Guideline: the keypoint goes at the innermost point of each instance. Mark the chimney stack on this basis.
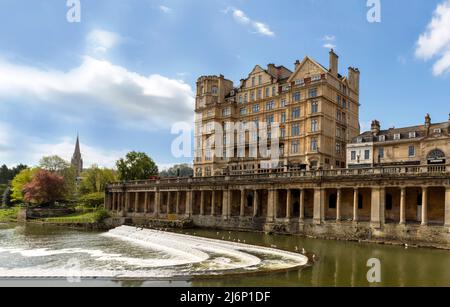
(334, 63)
(376, 127)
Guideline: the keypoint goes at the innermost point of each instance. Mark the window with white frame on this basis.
(411, 151)
(381, 138)
(314, 125)
(296, 113)
(295, 147)
(412, 134)
(295, 130)
(314, 107)
(397, 136)
(314, 145)
(312, 93)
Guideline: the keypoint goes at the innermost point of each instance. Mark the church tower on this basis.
(77, 162)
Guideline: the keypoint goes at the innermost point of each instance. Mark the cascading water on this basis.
(129, 252)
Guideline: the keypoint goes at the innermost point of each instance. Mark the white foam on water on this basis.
(172, 255)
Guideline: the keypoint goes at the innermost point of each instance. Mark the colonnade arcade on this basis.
(378, 204)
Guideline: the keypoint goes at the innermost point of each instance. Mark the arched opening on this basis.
(436, 156)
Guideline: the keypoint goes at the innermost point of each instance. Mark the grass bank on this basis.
(9, 215)
(95, 216)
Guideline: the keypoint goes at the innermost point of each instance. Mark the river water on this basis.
(49, 256)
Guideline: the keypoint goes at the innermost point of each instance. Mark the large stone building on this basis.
(316, 109)
(427, 144)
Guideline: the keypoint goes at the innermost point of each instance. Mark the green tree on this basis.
(54, 164)
(18, 183)
(136, 166)
(95, 179)
(181, 170)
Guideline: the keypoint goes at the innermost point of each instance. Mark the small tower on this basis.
(77, 161)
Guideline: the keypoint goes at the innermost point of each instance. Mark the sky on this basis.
(124, 74)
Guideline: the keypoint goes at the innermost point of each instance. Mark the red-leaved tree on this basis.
(45, 188)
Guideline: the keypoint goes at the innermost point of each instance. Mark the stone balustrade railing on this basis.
(416, 170)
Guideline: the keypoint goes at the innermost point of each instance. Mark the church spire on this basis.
(77, 161)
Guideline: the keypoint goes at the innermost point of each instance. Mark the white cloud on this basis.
(100, 41)
(146, 101)
(257, 26)
(329, 46)
(435, 41)
(329, 41)
(165, 9)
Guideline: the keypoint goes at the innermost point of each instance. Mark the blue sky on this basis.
(124, 74)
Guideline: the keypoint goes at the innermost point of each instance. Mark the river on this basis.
(35, 255)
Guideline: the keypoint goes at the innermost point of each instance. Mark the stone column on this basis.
(271, 205)
(189, 203)
(128, 202)
(319, 206)
(202, 203)
(403, 206)
(136, 202)
(424, 206)
(145, 202)
(355, 204)
(289, 204)
(177, 209)
(447, 207)
(255, 203)
(213, 203)
(157, 203)
(168, 202)
(378, 200)
(242, 203)
(339, 205)
(226, 204)
(302, 205)
(113, 201)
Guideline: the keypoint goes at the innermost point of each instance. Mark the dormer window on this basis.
(382, 138)
(397, 136)
(359, 140)
(316, 78)
(412, 135)
(300, 82)
(437, 131)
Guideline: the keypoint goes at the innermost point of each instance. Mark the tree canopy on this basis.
(136, 166)
(18, 183)
(95, 179)
(181, 170)
(8, 174)
(45, 188)
(54, 164)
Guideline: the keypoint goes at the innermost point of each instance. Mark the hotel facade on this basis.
(316, 111)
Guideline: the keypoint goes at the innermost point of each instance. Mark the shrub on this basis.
(6, 197)
(92, 200)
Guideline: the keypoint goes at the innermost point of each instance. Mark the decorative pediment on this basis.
(306, 69)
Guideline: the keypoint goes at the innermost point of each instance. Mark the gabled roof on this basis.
(302, 63)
